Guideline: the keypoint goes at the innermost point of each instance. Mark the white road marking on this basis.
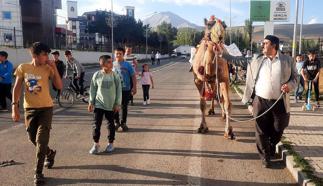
(195, 162)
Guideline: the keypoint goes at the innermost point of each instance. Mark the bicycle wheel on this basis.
(66, 99)
(86, 94)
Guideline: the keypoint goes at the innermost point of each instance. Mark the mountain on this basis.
(169, 17)
(285, 31)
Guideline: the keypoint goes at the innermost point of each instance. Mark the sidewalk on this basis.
(305, 133)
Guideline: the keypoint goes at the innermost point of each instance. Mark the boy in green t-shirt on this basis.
(104, 100)
(38, 103)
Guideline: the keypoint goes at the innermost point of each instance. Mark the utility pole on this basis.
(112, 36)
(295, 28)
(301, 29)
(230, 25)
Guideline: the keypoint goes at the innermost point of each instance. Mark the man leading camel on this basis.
(268, 76)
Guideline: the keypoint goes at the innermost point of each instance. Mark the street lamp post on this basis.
(230, 25)
(147, 27)
(147, 42)
(112, 25)
(295, 28)
(301, 30)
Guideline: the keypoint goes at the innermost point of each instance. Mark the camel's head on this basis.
(214, 29)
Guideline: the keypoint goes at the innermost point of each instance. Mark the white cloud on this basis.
(313, 20)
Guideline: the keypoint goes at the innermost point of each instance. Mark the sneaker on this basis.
(39, 179)
(109, 148)
(295, 100)
(148, 102)
(124, 127)
(266, 163)
(117, 125)
(50, 159)
(94, 149)
(145, 103)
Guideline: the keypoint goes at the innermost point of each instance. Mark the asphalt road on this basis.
(161, 147)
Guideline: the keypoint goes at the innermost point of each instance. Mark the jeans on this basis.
(124, 107)
(300, 86)
(316, 90)
(98, 117)
(79, 83)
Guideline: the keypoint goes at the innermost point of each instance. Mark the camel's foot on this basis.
(203, 130)
(224, 116)
(211, 112)
(229, 134)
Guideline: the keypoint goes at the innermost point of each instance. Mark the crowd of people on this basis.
(270, 76)
(111, 89)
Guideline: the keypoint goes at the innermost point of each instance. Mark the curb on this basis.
(288, 159)
(296, 172)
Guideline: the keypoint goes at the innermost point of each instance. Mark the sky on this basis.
(195, 10)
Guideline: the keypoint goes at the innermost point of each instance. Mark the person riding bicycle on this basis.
(76, 71)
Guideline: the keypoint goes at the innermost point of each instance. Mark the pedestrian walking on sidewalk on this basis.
(158, 58)
(38, 103)
(268, 76)
(6, 69)
(126, 74)
(311, 72)
(105, 100)
(300, 80)
(146, 82)
(152, 57)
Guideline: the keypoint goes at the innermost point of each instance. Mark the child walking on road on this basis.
(34, 77)
(146, 82)
(105, 100)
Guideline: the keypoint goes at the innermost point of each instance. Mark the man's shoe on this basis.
(50, 159)
(148, 101)
(39, 179)
(95, 149)
(266, 163)
(144, 103)
(109, 148)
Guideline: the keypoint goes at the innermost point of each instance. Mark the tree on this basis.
(248, 28)
(166, 34)
(188, 36)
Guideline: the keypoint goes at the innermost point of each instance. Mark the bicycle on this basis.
(70, 94)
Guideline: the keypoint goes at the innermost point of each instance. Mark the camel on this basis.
(211, 75)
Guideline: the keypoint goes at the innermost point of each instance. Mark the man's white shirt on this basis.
(268, 85)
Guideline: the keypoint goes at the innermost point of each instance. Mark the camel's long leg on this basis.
(211, 110)
(227, 105)
(203, 126)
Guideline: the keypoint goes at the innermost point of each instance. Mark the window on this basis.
(72, 9)
(6, 15)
